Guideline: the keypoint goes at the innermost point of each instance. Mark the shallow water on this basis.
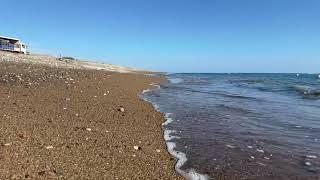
(244, 126)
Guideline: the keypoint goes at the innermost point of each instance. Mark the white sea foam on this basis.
(182, 158)
(145, 91)
(230, 146)
(168, 136)
(155, 85)
(168, 119)
(311, 156)
(175, 80)
(156, 107)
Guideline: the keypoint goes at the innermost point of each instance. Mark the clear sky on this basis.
(173, 35)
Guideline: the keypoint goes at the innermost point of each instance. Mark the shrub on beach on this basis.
(67, 59)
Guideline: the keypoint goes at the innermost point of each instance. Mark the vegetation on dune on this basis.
(67, 59)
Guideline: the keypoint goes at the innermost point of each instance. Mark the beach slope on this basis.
(75, 123)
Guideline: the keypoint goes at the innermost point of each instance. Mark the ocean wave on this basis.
(233, 109)
(248, 81)
(220, 93)
(307, 90)
(175, 80)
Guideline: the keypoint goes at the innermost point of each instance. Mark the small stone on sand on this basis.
(49, 147)
(137, 147)
(8, 144)
(88, 129)
(158, 150)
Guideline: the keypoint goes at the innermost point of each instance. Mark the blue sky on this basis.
(173, 35)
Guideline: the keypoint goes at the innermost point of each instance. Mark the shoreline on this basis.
(180, 157)
(204, 127)
(75, 123)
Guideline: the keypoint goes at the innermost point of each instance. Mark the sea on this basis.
(241, 126)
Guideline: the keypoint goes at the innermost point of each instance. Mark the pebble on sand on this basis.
(121, 109)
(137, 147)
(158, 150)
(88, 129)
(49, 147)
(8, 144)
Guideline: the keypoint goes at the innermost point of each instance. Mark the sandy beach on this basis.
(75, 123)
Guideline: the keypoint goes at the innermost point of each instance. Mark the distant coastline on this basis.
(65, 62)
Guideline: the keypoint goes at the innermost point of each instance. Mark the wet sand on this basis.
(78, 124)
